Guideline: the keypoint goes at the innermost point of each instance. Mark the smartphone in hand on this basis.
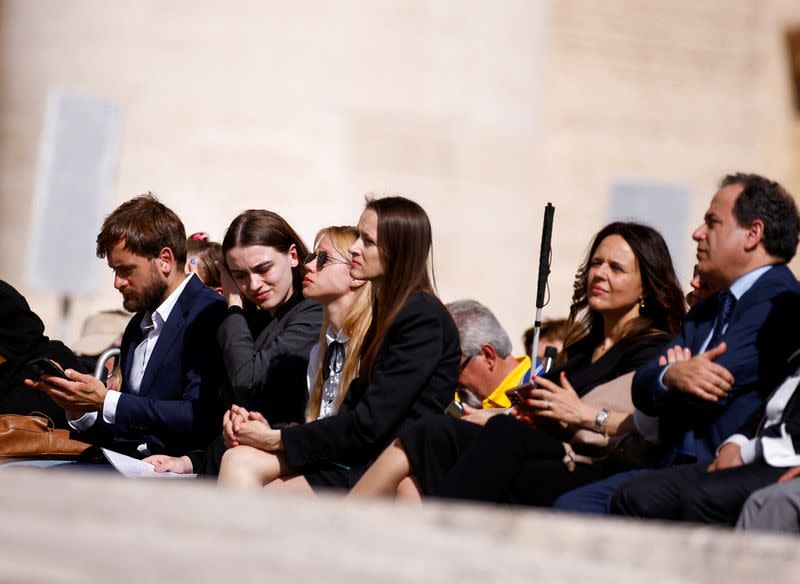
(455, 410)
(44, 366)
(518, 395)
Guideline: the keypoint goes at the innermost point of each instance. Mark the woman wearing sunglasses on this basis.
(407, 369)
(346, 316)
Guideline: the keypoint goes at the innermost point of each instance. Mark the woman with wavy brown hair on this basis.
(626, 305)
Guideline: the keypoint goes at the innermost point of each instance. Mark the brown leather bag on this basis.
(35, 437)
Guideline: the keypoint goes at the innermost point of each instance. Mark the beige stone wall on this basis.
(481, 111)
(680, 92)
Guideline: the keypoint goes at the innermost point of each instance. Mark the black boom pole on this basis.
(544, 272)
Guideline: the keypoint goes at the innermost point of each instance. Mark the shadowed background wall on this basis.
(481, 111)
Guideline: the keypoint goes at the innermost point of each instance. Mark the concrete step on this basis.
(99, 527)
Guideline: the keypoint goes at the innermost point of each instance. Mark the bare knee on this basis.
(409, 490)
(244, 466)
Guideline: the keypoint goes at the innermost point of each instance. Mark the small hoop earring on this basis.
(641, 303)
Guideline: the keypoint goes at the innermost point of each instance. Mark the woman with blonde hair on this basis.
(346, 316)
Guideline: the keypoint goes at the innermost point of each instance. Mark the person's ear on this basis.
(219, 290)
(490, 355)
(754, 235)
(294, 261)
(165, 261)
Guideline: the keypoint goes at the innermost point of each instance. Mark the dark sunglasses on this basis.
(322, 259)
(464, 364)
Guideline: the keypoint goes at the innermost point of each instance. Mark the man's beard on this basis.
(149, 298)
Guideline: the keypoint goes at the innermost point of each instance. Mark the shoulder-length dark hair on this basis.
(405, 242)
(664, 304)
(260, 227)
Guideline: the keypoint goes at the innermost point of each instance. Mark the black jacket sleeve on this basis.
(416, 369)
(260, 370)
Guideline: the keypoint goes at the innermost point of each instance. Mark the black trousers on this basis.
(689, 493)
(206, 462)
(434, 444)
(508, 462)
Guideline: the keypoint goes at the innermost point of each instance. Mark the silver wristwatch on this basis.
(600, 420)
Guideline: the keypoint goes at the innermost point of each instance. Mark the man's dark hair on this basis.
(768, 201)
(147, 226)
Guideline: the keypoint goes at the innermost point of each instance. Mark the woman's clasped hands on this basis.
(241, 427)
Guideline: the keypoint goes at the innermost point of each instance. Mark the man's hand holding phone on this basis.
(77, 393)
(44, 366)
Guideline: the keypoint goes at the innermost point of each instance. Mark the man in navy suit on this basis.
(754, 457)
(171, 363)
(733, 348)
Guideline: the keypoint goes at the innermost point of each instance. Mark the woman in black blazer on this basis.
(262, 280)
(267, 335)
(408, 367)
(627, 305)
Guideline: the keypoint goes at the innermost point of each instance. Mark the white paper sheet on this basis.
(138, 469)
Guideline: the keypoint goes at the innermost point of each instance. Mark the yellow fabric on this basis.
(498, 398)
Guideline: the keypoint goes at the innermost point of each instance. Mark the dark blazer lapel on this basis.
(173, 328)
(704, 322)
(278, 323)
(270, 332)
(768, 285)
(791, 369)
(792, 364)
(130, 341)
(771, 283)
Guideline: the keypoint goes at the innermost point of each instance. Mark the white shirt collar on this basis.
(332, 335)
(744, 283)
(157, 319)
